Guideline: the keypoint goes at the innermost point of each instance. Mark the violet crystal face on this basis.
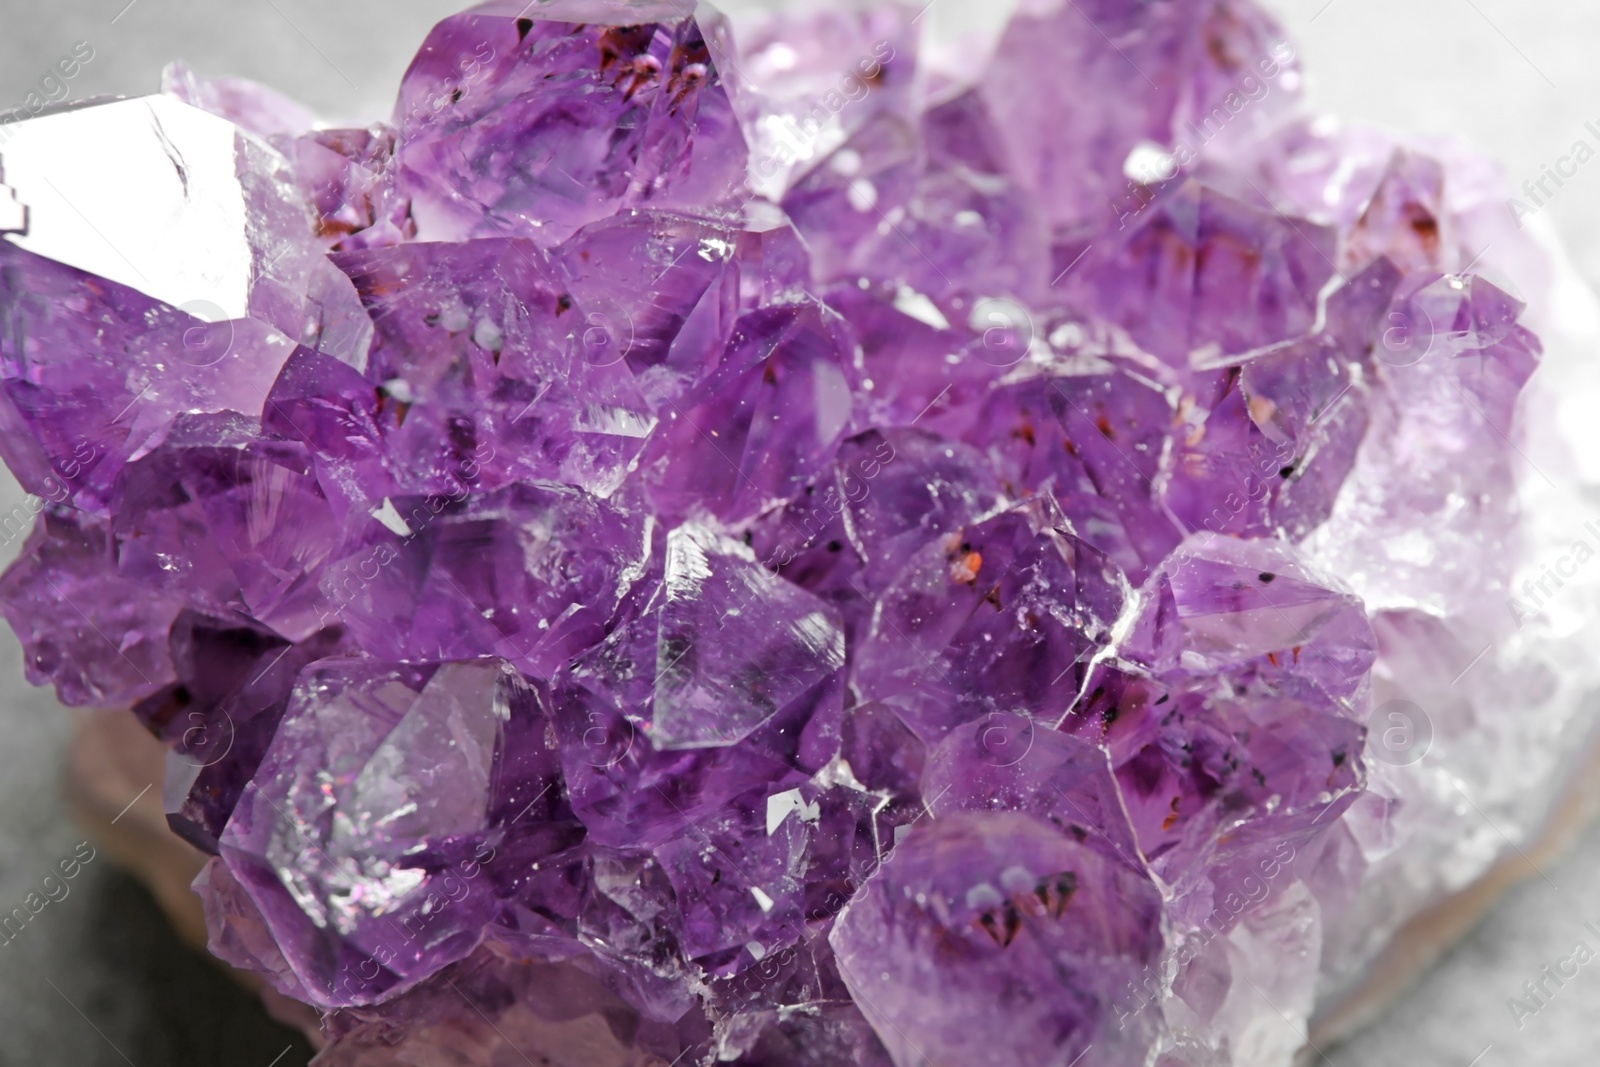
(775, 542)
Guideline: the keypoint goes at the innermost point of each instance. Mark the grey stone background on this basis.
(97, 982)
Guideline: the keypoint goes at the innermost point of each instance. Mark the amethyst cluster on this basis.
(787, 554)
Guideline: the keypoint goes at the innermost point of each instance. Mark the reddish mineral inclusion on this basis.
(605, 612)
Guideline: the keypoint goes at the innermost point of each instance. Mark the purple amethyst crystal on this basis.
(730, 542)
(991, 937)
(378, 783)
(531, 122)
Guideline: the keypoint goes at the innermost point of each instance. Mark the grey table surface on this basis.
(98, 982)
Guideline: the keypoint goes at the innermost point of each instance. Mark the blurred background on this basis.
(98, 979)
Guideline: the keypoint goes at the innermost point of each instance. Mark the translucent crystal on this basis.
(796, 541)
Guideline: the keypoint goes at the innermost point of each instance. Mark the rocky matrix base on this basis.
(793, 542)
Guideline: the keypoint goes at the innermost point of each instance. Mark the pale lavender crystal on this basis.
(735, 646)
(371, 763)
(777, 542)
(1201, 276)
(849, 533)
(1096, 441)
(996, 938)
(348, 179)
(728, 679)
(487, 575)
(80, 351)
(941, 211)
(1252, 720)
(249, 106)
(1164, 74)
(68, 558)
(531, 122)
(926, 371)
(485, 342)
(1002, 615)
(807, 79)
(638, 278)
(762, 423)
(1009, 762)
